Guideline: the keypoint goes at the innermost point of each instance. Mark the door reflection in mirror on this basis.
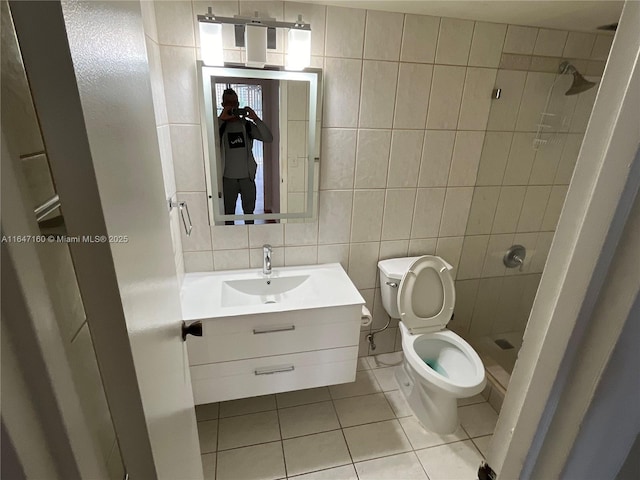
(269, 122)
(245, 114)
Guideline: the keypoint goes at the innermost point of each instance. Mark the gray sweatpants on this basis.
(246, 187)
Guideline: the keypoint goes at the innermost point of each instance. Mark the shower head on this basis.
(580, 84)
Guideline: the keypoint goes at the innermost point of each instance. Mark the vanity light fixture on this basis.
(257, 35)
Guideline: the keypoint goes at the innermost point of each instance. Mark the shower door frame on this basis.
(527, 443)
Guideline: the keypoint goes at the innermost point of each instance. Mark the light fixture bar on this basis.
(253, 21)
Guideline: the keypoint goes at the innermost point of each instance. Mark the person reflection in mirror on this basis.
(238, 129)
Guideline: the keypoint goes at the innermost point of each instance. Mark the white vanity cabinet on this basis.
(275, 348)
(253, 355)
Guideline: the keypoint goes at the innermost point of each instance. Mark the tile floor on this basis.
(357, 431)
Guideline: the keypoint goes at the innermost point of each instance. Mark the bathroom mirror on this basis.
(285, 168)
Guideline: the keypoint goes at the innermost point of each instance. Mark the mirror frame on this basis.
(209, 123)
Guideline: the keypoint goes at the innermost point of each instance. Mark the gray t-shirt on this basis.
(236, 142)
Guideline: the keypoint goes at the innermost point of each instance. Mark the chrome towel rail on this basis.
(46, 208)
(183, 208)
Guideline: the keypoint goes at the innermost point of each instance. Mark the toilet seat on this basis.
(426, 305)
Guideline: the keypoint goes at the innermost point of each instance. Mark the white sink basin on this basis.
(242, 292)
(250, 291)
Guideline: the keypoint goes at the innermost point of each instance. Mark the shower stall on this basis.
(539, 113)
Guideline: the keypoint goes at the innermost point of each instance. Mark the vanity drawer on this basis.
(261, 376)
(250, 336)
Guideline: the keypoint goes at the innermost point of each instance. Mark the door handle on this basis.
(194, 329)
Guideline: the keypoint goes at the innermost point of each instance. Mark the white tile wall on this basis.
(454, 41)
(419, 38)
(345, 32)
(383, 34)
(486, 46)
(416, 157)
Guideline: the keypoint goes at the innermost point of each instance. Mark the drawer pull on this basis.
(272, 370)
(257, 331)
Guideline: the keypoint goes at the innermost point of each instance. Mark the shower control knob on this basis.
(194, 329)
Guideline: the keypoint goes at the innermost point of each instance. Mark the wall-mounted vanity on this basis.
(296, 328)
(286, 177)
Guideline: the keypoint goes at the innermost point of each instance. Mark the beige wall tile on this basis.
(166, 159)
(412, 100)
(476, 98)
(372, 158)
(363, 264)
(174, 20)
(486, 46)
(446, 95)
(180, 85)
(493, 161)
(398, 212)
(366, 223)
(428, 212)
(335, 216)
(338, 158)
(579, 45)
(157, 82)
(300, 234)
(345, 32)
(533, 100)
(550, 43)
(568, 159)
(533, 208)
(511, 61)
(520, 40)
(379, 80)
(504, 111)
(450, 249)
(601, 47)
(230, 237)
(383, 35)
(545, 163)
(486, 305)
(541, 252)
(188, 158)
(454, 41)
(419, 38)
(474, 249)
(198, 261)
(307, 255)
(422, 246)
(271, 234)
(466, 158)
(466, 294)
(508, 209)
(404, 160)
(520, 160)
(393, 249)
(455, 212)
(437, 152)
(342, 79)
(554, 207)
(483, 210)
(334, 254)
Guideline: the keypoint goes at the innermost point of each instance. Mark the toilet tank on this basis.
(391, 272)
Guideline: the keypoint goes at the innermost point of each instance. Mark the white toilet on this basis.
(439, 366)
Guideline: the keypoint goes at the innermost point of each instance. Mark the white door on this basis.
(87, 66)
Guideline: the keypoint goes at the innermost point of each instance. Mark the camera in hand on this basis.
(239, 112)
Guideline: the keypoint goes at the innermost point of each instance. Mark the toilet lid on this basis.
(426, 295)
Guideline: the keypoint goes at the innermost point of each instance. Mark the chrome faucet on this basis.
(266, 259)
